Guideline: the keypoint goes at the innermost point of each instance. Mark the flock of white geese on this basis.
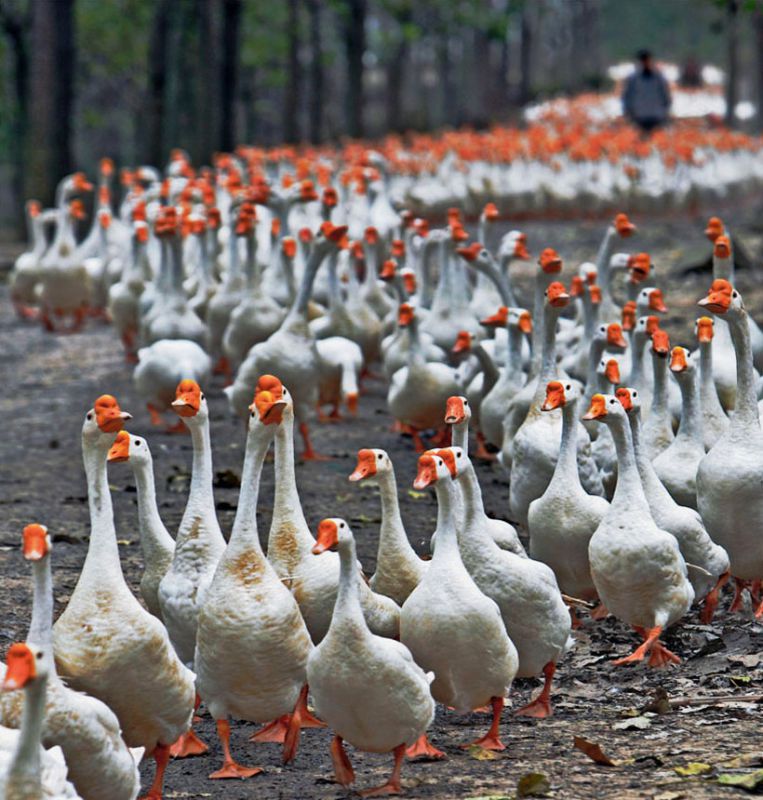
(638, 493)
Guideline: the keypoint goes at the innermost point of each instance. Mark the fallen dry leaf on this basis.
(693, 768)
(533, 784)
(752, 781)
(593, 751)
(480, 754)
(634, 723)
(416, 495)
(746, 760)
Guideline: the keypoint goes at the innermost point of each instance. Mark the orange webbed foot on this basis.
(230, 769)
(540, 708)
(424, 750)
(274, 731)
(660, 656)
(188, 745)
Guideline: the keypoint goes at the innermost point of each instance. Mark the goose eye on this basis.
(466, 402)
(568, 387)
(734, 294)
(137, 442)
(611, 402)
(379, 456)
(252, 414)
(458, 454)
(202, 396)
(39, 656)
(90, 415)
(341, 524)
(439, 463)
(635, 394)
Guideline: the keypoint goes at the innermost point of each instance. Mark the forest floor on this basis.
(668, 734)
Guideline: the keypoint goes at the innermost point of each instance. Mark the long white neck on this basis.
(245, 534)
(234, 259)
(415, 354)
(25, 768)
(548, 354)
(595, 352)
(690, 426)
(447, 541)
(103, 552)
(252, 264)
(41, 626)
(566, 470)
(638, 341)
(201, 500)
(154, 536)
(629, 490)
(474, 508)
(299, 306)
(746, 408)
(392, 530)
(288, 519)
(347, 609)
(654, 489)
(177, 273)
(459, 435)
(514, 349)
(660, 394)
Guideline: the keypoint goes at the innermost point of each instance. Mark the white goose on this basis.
(367, 688)
(399, 569)
(637, 568)
(25, 274)
(157, 546)
(562, 520)
(251, 643)
(450, 626)
(27, 772)
(714, 420)
(99, 762)
(313, 581)
(677, 465)
(707, 562)
(728, 478)
(106, 643)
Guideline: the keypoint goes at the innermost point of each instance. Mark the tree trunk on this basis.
(207, 117)
(316, 100)
(229, 72)
(14, 29)
(48, 153)
(158, 47)
(525, 57)
(355, 47)
(293, 82)
(732, 63)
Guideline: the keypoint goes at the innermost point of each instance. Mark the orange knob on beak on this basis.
(718, 299)
(328, 536)
(598, 408)
(554, 396)
(705, 329)
(109, 415)
(455, 410)
(366, 466)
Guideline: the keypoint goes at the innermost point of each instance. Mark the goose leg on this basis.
(711, 601)
(392, 786)
(306, 718)
(161, 756)
(300, 718)
(738, 601)
(659, 655)
(540, 708)
(308, 454)
(189, 743)
(230, 769)
(343, 771)
(492, 739)
(422, 748)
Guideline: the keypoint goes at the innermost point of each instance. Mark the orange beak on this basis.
(398, 248)
(722, 247)
(640, 265)
(660, 342)
(372, 235)
(455, 411)
(718, 299)
(598, 408)
(77, 209)
(612, 371)
(20, 667)
(594, 293)
(405, 315)
(409, 281)
(289, 247)
(629, 315)
(714, 228)
(334, 232)
(457, 233)
(624, 226)
(366, 466)
(469, 253)
(120, 450)
(557, 295)
(389, 267)
(36, 544)
(554, 396)
(463, 342)
(500, 318)
(81, 183)
(624, 396)
(330, 197)
(656, 302)
(269, 407)
(490, 212)
(615, 336)
(109, 415)
(549, 261)
(328, 536)
(187, 400)
(526, 322)
(307, 191)
(352, 402)
(705, 329)
(678, 359)
(577, 286)
(427, 472)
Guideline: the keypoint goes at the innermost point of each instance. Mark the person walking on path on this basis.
(646, 95)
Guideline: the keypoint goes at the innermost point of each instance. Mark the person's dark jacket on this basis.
(646, 97)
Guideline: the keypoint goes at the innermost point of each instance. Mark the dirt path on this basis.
(46, 385)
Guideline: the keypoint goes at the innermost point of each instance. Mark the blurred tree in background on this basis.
(130, 79)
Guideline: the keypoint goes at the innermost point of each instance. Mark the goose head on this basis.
(680, 365)
(328, 237)
(128, 447)
(609, 370)
(559, 393)
(629, 399)
(104, 420)
(25, 663)
(431, 468)
(605, 408)
(463, 343)
(190, 403)
(714, 229)
(550, 262)
(588, 272)
(521, 319)
(36, 542)
(628, 317)
(722, 299)
(405, 315)
(514, 246)
(270, 400)
(372, 462)
(639, 267)
(332, 533)
(612, 337)
(660, 343)
(645, 327)
(622, 226)
(650, 301)
(704, 330)
(497, 320)
(557, 296)
(388, 270)
(457, 410)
